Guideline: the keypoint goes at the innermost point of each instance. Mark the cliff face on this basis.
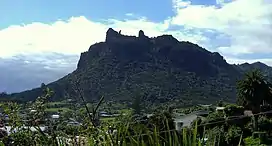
(159, 69)
(164, 48)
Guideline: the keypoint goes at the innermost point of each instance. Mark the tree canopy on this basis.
(253, 91)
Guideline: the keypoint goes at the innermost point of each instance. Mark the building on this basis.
(55, 116)
(178, 125)
(73, 122)
(32, 111)
(248, 113)
(220, 109)
(186, 120)
(105, 114)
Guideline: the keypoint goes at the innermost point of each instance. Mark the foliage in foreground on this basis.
(130, 130)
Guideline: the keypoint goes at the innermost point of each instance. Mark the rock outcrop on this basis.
(161, 68)
(112, 35)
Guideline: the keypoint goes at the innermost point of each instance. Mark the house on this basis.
(220, 109)
(10, 130)
(248, 113)
(178, 125)
(202, 113)
(185, 120)
(149, 115)
(105, 114)
(55, 116)
(205, 105)
(32, 111)
(73, 122)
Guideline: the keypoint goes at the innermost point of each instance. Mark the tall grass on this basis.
(146, 137)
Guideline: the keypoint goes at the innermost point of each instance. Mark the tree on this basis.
(268, 98)
(3, 94)
(253, 91)
(220, 103)
(232, 136)
(136, 105)
(43, 85)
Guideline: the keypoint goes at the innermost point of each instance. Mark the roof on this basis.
(105, 115)
(220, 108)
(103, 112)
(248, 113)
(55, 116)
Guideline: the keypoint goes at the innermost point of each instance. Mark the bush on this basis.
(233, 135)
(265, 124)
(214, 118)
(234, 110)
(250, 141)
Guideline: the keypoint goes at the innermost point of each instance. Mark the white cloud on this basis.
(177, 4)
(187, 35)
(74, 35)
(234, 50)
(247, 22)
(222, 2)
(129, 14)
(69, 37)
(132, 27)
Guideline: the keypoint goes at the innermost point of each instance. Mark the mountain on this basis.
(266, 70)
(159, 69)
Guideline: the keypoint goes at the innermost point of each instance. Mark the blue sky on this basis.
(51, 10)
(49, 35)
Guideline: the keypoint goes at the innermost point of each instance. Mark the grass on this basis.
(59, 103)
(56, 103)
(125, 111)
(144, 137)
(150, 137)
(107, 119)
(62, 109)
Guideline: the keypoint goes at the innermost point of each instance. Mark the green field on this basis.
(62, 109)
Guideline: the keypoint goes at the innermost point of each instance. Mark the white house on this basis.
(32, 111)
(55, 116)
(220, 108)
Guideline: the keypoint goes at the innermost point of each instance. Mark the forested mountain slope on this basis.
(157, 69)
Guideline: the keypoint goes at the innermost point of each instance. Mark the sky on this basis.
(41, 41)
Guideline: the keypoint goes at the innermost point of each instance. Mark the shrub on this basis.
(233, 135)
(250, 141)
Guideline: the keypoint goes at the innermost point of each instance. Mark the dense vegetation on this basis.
(163, 69)
(249, 122)
(230, 126)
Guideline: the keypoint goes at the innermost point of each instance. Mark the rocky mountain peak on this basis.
(122, 65)
(112, 34)
(141, 34)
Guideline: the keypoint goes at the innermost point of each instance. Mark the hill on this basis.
(159, 69)
(267, 70)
